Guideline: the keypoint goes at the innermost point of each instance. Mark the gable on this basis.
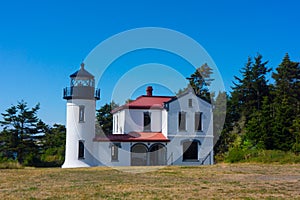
(189, 101)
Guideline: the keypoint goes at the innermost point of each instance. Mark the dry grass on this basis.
(222, 181)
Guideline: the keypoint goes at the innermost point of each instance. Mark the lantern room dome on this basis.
(82, 73)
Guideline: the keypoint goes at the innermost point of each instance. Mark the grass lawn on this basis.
(221, 181)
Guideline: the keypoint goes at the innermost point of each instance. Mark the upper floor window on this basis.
(147, 121)
(182, 121)
(81, 113)
(190, 103)
(114, 123)
(198, 121)
(117, 124)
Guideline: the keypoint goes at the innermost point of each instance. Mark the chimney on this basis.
(149, 90)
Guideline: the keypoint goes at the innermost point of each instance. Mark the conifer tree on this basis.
(286, 102)
(249, 90)
(21, 133)
(259, 127)
(200, 81)
(105, 118)
(53, 145)
(287, 83)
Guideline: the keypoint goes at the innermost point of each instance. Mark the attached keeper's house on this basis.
(151, 130)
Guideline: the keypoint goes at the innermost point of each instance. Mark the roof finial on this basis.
(82, 65)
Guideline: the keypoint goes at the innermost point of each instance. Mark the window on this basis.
(147, 121)
(114, 123)
(115, 152)
(182, 121)
(117, 124)
(190, 151)
(81, 113)
(190, 103)
(81, 149)
(198, 121)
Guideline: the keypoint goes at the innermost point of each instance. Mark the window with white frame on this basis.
(81, 149)
(190, 103)
(190, 151)
(198, 121)
(182, 121)
(147, 121)
(115, 152)
(81, 113)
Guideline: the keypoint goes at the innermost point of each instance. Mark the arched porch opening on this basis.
(139, 155)
(158, 154)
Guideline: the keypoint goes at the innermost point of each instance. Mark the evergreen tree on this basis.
(105, 117)
(250, 90)
(287, 83)
(21, 133)
(7, 145)
(219, 113)
(295, 130)
(242, 89)
(200, 81)
(259, 127)
(286, 102)
(283, 139)
(181, 91)
(53, 149)
(244, 117)
(227, 137)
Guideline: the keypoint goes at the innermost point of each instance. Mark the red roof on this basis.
(133, 137)
(146, 102)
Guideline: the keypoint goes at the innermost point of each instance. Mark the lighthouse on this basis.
(81, 99)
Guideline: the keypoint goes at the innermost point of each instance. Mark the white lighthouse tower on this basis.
(81, 99)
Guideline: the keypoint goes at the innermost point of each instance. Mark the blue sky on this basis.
(43, 42)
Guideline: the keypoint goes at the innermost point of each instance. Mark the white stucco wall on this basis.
(175, 149)
(77, 131)
(133, 120)
(102, 152)
(198, 105)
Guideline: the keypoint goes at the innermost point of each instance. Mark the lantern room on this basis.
(82, 86)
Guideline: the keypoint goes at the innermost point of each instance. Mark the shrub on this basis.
(234, 154)
(261, 156)
(10, 165)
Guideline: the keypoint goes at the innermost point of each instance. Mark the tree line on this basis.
(26, 139)
(262, 113)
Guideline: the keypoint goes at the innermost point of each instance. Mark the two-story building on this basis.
(161, 130)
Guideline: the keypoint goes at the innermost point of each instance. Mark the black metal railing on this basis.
(81, 92)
